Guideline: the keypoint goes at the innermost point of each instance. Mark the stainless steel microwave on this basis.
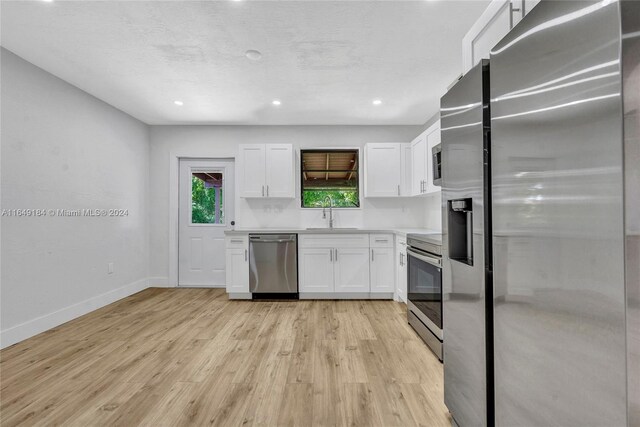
(436, 153)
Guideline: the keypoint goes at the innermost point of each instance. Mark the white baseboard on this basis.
(40, 324)
(160, 282)
(198, 285)
(346, 295)
(240, 295)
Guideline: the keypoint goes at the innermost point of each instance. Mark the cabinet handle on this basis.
(401, 260)
(236, 240)
(330, 255)
(336, 255)
(263, 191)
(398, 189)
(245, 255)
(372, 255)
(267, 190)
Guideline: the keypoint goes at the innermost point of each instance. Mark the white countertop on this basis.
(337, 230)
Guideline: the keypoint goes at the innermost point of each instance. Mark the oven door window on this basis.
(425, 288)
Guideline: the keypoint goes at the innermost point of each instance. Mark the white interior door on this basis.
(206, 208)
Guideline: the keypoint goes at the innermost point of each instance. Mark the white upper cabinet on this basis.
(418, 164)
(494, 23)
(266, 170)
(251, 170)
(422, 161)
(405, 170)
(386, 169)
(280, 180)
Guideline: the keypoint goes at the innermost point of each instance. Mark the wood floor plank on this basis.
(171, 357)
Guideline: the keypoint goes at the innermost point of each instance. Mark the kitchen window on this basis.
(330, 176)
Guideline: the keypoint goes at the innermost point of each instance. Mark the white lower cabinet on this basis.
(329, 266)
(382, 271)
(237, 265)
(346, 266)
(315, 269)
(351, 270)
(401, 264)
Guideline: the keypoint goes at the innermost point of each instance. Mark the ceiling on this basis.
(326, 61)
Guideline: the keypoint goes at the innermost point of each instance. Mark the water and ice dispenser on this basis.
(460, 224)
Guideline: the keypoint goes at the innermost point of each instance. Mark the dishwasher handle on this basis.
(273, 239)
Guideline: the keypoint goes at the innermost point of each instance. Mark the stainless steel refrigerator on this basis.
(559, 234)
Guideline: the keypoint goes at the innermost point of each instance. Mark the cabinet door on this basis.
(401, 277)
(494, 23)
(237, 265)
(418, 165)
(405, 169)
(280, 180)
(316, 269)
(251, 172)
(382, 270)
(351, 269)
(383, 170)
(433, 139)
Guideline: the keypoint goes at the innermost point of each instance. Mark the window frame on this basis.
(223, 171)
(358, 151)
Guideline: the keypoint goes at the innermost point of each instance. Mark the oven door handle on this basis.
(431, 260)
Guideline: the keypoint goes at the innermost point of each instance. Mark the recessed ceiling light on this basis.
(253, 55)
(178, 103)
(377, 102)
(48, 1)
(276, 102)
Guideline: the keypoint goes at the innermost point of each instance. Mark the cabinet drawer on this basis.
(241, 241)
(333, 240)
(381, 240)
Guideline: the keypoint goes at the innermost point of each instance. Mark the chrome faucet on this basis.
(324, 210)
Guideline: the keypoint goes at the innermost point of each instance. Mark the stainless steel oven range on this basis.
(424, 293)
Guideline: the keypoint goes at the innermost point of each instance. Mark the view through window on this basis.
(207, 198)
(330, 176)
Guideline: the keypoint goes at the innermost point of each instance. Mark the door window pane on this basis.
(207, 198)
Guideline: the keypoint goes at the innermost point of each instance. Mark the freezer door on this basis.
(556, 124)
(463, 223)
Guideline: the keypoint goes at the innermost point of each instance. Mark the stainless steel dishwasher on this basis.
(273, 265)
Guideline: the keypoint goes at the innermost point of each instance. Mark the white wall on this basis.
(167, 142)
(64, 149)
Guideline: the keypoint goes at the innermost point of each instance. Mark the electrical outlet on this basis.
(110, 268)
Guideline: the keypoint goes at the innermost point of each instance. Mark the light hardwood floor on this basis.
(191, 357)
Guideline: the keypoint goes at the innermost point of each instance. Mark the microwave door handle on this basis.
(431, 260)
